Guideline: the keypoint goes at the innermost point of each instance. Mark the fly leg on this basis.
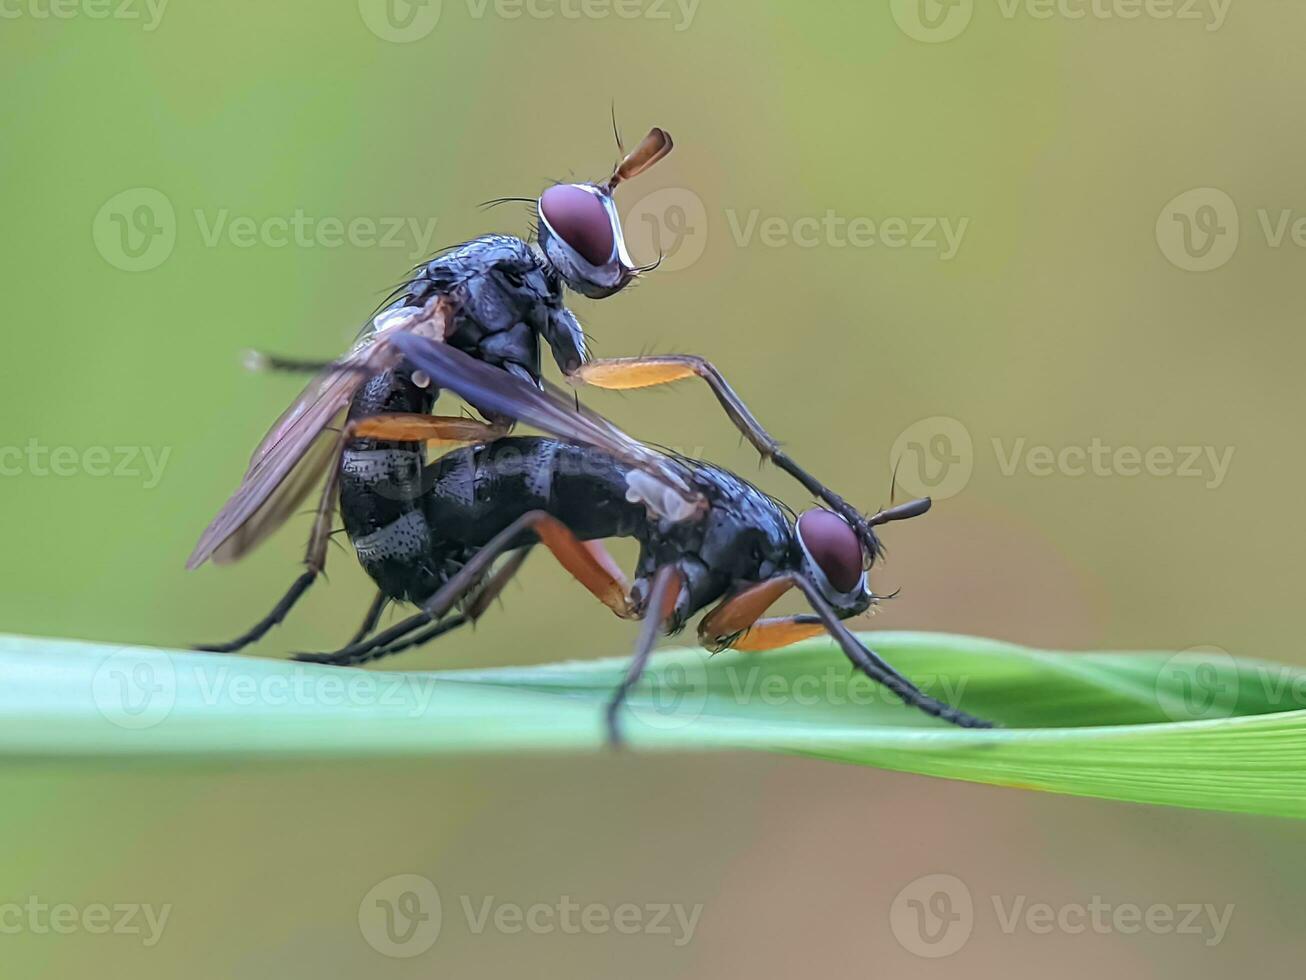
(736, 623)
(373, 617)
(739, 614)
(437, 431)
(487, 594)
(583, 560)
(870, 664)
(620, 373)
(257, 360)
(667, 583)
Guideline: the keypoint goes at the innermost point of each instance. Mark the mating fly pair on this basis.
(360, 428)
(706, 537)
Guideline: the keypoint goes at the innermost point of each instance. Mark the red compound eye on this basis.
(579, 219)
(834, 547)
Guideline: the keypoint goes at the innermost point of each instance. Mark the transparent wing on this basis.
(299, 448)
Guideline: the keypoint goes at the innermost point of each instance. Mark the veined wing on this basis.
(497, 392)
(300, 447)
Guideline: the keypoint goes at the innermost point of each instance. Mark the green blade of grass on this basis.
(1197, 730)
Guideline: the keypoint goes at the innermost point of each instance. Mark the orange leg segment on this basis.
(589, 563)
(739, 612)
(440, 429)
(772, 634)
(625, 373)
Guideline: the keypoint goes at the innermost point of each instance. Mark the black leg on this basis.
(666, 579)
(487, 594)
(434, 631)
(570, 552)
(277, 614)
(373, 617)
(870, 540)
(257, 360)
(447, 596)
(343, 658)
(877, 670)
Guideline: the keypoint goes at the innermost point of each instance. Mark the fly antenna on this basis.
(652, 148)
(896, 511)
(616, 132)
(901, 512)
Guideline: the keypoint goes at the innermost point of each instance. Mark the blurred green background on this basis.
(152, 160)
